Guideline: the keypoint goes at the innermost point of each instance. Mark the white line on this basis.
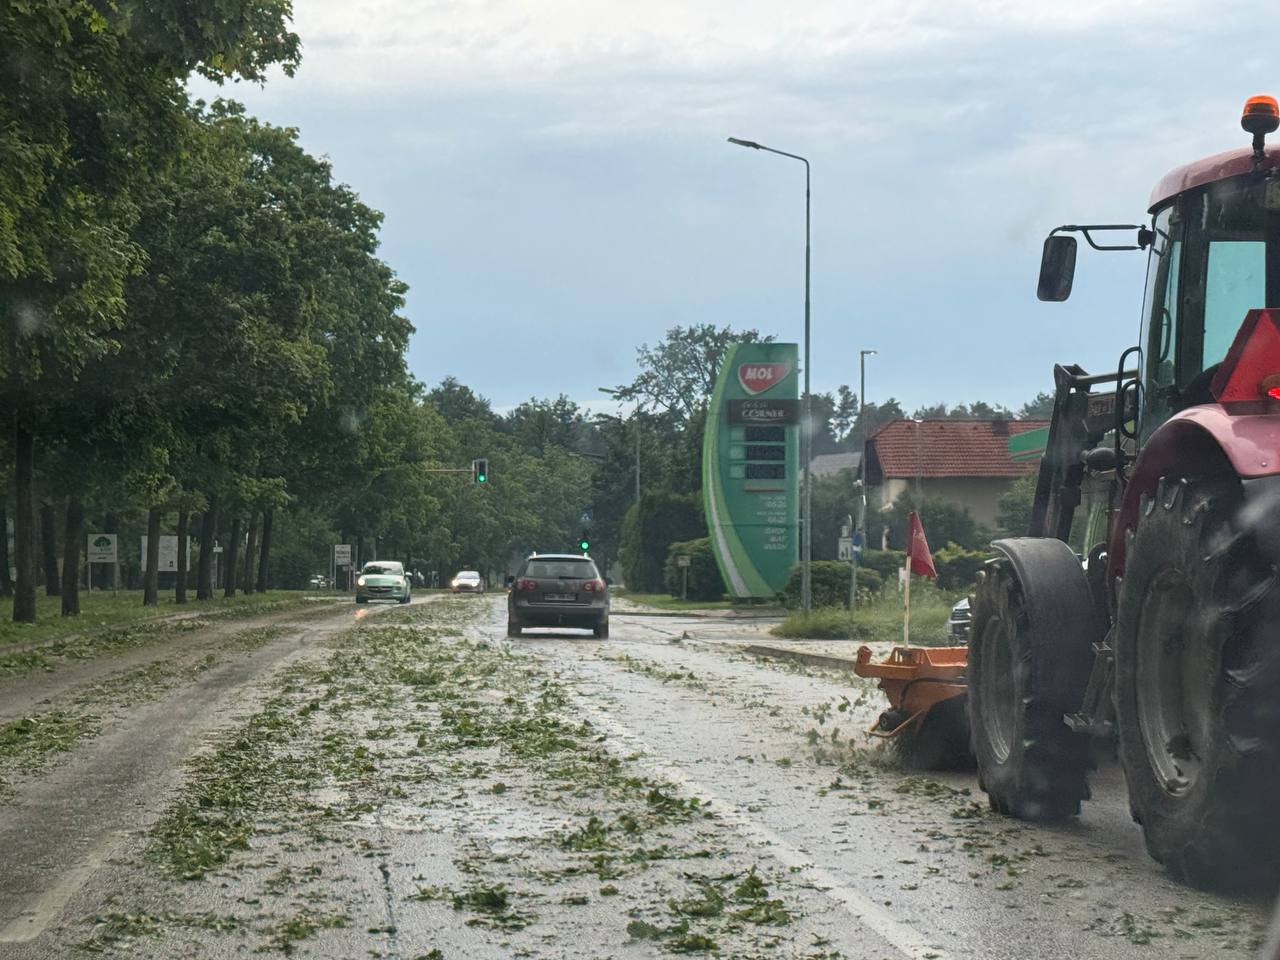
(31, 923)
(905, 938)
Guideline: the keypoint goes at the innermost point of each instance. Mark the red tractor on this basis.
(1164, 630)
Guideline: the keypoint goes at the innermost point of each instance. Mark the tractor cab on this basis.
(1213, 254)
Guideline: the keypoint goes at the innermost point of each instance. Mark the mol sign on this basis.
(750, 467)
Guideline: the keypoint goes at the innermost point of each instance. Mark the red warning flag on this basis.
(918, 555)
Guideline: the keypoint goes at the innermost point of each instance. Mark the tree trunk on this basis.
(230, 556)
(250, 555)
(73, 536)
(208, 533)
(180, 584)
(49, 549)
(151, 578)
(6, 584)
(24, 524)
(357, 562)
(265, 553)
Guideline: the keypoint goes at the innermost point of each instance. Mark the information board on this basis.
(750, 467)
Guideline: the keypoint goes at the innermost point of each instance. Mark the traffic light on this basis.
(480, 471)
(584, 543)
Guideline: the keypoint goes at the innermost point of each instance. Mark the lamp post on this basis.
(862, 424)
(862, 457)
(806, 428)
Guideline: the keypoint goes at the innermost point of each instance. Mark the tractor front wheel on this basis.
(1198, 682)
(1034, 624)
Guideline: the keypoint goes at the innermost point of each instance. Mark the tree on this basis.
(1014, 508)
(1038, 408)
(846, 412)
(943, 522)
(678, 375)
(93, 93)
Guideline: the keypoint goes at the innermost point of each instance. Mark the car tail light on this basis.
(591, 586)
(524, 583)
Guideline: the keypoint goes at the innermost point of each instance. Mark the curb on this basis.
(799, 656)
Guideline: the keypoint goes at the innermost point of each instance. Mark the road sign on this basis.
(168, 561)
(751, 467)
(682, 560)
(845, 547)
(102, 548)
(342, 554)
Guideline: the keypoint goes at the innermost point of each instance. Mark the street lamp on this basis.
(806, 428)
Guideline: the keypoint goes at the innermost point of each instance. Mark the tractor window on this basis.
(1235, 283)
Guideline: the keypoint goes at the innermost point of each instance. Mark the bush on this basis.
(649, 528)
(705, 582)
(887, 563)
(957, 567)
(830, 584)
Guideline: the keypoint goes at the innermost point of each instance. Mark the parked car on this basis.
(960, 624)
(383, 580)
(467, 581)
(558, 590)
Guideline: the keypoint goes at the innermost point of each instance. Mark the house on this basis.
(965, 462)
(829, 464)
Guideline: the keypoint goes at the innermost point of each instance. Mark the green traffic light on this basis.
(584, 546)
(481, 478)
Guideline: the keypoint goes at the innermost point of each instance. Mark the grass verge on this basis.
(664, 601)
(100, 610)
(881, 621)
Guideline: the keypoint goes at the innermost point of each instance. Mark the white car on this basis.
(467, 581)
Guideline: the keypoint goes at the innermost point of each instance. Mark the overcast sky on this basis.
(558, 189)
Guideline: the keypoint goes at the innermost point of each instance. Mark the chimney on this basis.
(1000, 428)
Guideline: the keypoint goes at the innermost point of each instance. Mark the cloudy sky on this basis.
(558, 189)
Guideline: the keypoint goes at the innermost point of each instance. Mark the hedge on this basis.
(705, 582)
(649, 529)
(830, 584)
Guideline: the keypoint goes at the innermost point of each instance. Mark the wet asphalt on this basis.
(873, 861)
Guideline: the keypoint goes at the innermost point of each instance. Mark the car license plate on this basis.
(559, 596)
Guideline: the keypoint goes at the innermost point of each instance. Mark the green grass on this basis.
(99, 610)
(881, 620)
(663, 601)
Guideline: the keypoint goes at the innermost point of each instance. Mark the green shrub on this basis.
(957, 567)
(887, 563)
(649, 528)
(705, 582)
(830, 584)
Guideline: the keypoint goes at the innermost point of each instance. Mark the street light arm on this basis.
(760, 146)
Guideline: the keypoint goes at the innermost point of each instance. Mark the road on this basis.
(407, 783)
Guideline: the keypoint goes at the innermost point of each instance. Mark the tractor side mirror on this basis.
(1057, 268)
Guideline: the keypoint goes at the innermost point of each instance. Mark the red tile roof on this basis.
(948, 448)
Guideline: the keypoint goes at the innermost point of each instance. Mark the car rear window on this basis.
(558, 569)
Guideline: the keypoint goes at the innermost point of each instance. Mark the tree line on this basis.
(200, 339)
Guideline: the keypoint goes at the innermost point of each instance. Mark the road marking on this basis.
(31, 923)
(905, 938)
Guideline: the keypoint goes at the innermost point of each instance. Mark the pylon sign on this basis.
(751, 467)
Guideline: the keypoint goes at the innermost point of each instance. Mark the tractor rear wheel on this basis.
(1034, 624)
(1198, 682)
